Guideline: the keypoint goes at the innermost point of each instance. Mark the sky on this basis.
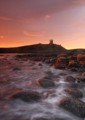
(25, 22)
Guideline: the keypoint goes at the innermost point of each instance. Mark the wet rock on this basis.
(80, 79)
(72, 58)
(80, 57)
(69, 79)
(49, 74)
(16, 69)
(42, 118)
(59, 66)
(20, 118)
(73, 64)
(40, 64)
(73, 85)
(75, 93)
(74, 69)
(74, 106)
(83, 74)
(49, 93)
(29, 96)
(62, 119)
(5, 81)
(61, 62)
(46, 82)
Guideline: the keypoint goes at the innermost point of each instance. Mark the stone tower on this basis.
(51, 42)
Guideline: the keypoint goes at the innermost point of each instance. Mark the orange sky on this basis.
(25, 22)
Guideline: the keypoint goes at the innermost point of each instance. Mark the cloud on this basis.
(35, 9)
(80, 2)
(47, 17)
(32, 33)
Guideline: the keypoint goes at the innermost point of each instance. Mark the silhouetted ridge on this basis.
(36, 48)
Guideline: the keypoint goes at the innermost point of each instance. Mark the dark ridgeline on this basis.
(42, 49)
(50, 48)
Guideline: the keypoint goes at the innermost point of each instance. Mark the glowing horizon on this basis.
(26, 22)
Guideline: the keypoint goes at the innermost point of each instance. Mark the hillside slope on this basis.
(36, 48)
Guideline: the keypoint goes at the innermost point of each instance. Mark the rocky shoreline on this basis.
(32, 89)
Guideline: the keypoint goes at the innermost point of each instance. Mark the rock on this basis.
(74, 106)
(82, 63)
(80, 57)
(43, 118)
(22, 57)
(46, 82)
(75, 93)
(73, 85)
(74, 69)
(29, 96)
(62, 60)
(69, 79)
(61, 63)
(80, 79)
(81, 69)
(40, 64)
(5, 81)
(83, 74)
(62, 55)
(16, 69)
(59, 66)
(19, 117)
(72, 58)
(73, 64)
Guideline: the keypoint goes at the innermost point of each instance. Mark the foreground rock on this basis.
(80, 57)
(73, 64)
(83, 74)
(41, 118)
(80, 79)
(61, 63)
(46, 82)
(75, 93)
(74, 106)
(69, 79)
(29, 96)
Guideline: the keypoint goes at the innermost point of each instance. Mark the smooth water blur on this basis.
(19, 75)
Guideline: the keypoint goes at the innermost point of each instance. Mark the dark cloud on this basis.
(33, 9)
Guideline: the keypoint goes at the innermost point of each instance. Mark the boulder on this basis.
(74, 69)
(46, 82)
(72, 58)
(28, 96)
(74, 106)
(73, 64)
(83, 74)
(80, 79)
(80, 57)
(62, 60)
(61, 63)
(43, 118)
(5, 81)
(69, 79)
(75, 93)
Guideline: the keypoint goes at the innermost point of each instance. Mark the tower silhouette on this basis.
(51, 42)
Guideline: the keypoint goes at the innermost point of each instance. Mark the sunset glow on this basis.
(25, 22)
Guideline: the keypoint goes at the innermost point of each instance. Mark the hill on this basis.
(36, 48)
(76, 51)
